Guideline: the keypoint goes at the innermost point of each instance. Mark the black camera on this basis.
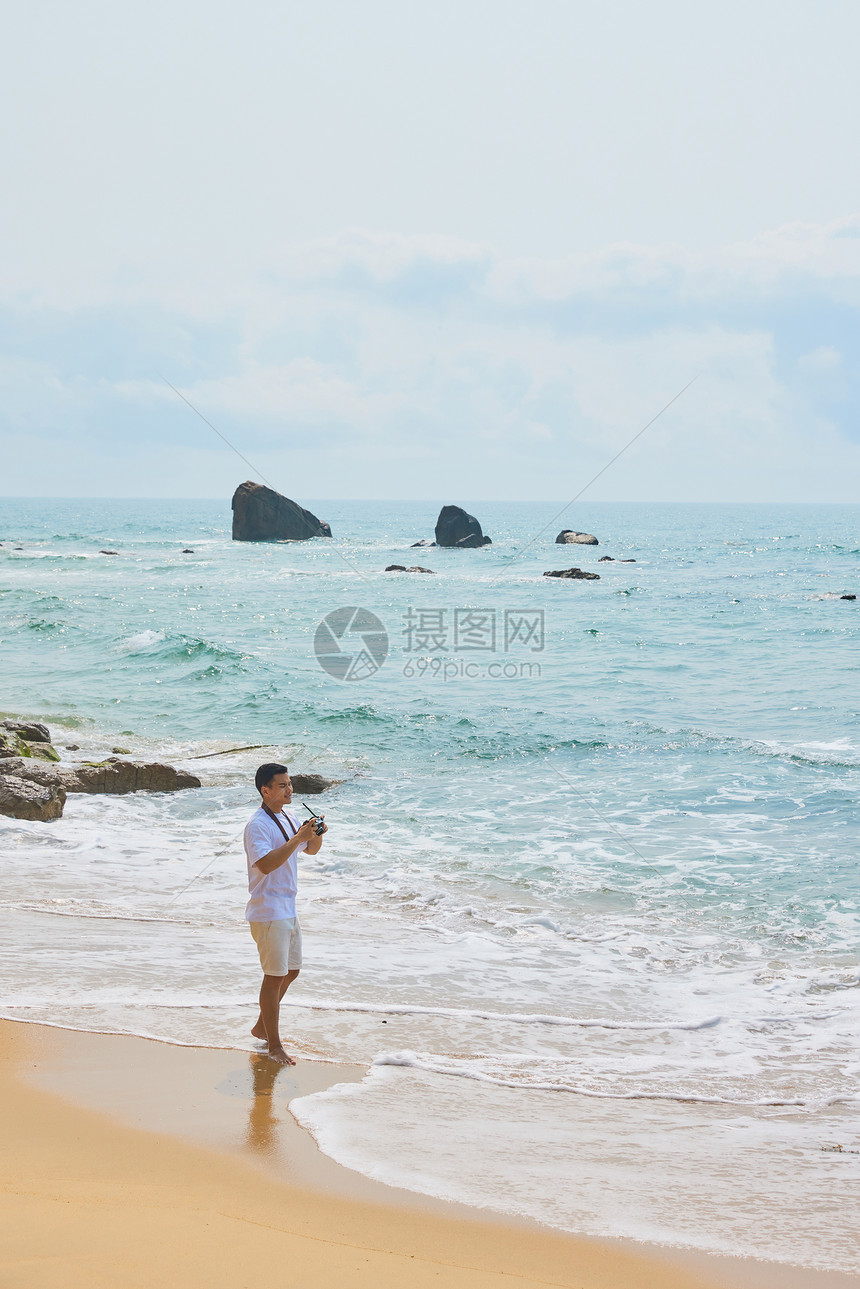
(317, 819)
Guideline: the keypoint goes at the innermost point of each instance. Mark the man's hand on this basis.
(308, 830)
(307, 833)
(312, 847)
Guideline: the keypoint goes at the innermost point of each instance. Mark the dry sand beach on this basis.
(193, 1173)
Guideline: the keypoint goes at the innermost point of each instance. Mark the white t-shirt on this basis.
(273, 895)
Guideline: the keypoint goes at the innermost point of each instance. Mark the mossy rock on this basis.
(41, 751)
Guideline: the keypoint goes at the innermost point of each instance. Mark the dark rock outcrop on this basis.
(456, 527)
(570, 537)
(848, 597)
(401, 568)
(25, 799)
(33, 771)
(310, 784)
(577, 573)
(423, 542)
(113, 775)
(30, 789)
(119, 776)
(32, 731)
(262, 515)
(606, 559)
(13, 742)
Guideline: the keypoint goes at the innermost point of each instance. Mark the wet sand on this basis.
(132, 1163)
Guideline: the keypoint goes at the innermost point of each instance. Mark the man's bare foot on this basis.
(278, 1054)
(259, 1031)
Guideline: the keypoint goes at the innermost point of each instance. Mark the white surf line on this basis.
(174, 1042)
(516, 555)
(94, 915)
(158, 1003)
(514, 1018)
(409, 1060)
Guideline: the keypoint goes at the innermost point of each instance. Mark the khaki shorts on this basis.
(279, 945)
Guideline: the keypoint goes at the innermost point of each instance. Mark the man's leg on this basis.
(259, 1030)
(272, 991)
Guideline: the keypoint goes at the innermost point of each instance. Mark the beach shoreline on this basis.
(183, 1165)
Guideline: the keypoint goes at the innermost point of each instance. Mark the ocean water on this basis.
(588, 906)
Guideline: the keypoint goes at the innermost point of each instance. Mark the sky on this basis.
(431, 251)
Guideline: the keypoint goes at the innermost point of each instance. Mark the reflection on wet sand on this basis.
(262, 1121)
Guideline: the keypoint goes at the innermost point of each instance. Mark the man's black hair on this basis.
(267, 772)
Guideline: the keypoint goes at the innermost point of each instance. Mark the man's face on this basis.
(278, 793)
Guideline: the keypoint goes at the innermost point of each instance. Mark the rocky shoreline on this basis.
(34, 782)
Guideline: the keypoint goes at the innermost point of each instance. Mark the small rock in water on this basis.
(628, 561)
(423, 542)
(606, 558)
(570, 537)
(576, 573)
(310, 784)
(122, 751)
(188, 551)
(108, 552)
(73, 747)
(848, 597)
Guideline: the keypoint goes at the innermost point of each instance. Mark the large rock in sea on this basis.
(570, 537)
(262, 515)
(24, 799)
(456, 527)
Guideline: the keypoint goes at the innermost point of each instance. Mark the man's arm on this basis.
(281, 854)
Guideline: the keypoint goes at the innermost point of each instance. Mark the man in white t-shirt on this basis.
(273, 839)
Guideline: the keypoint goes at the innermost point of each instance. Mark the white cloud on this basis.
(403, 363)
(824, 359)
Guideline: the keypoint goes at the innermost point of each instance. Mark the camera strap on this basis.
(277, 820)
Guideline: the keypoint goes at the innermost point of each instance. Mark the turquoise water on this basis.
(600, 881)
